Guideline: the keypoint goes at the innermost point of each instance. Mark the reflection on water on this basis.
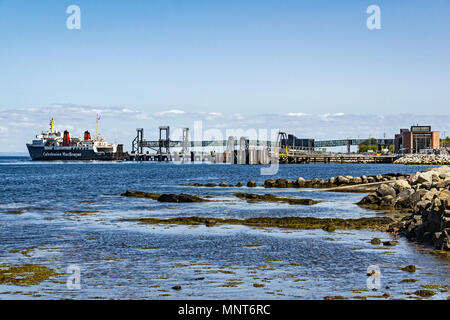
(71, 213)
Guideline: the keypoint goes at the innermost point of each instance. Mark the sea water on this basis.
(71, 214)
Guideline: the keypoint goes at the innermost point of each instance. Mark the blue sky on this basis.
(230, 57)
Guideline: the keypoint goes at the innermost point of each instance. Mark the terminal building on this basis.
(417, 140)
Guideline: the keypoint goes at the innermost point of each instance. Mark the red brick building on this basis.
(417, 139)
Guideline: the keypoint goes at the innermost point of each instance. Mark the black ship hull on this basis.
(39, 153)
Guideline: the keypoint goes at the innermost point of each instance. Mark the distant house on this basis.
(416, 140)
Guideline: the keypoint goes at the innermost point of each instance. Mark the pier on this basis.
(245, 151)
(338, 158)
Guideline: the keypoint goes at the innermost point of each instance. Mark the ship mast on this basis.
(96, 126)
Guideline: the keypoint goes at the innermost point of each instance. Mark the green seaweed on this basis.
(25, 251)
(232, 284)
(375, 241)
(424, 293)
(140, 194)
(301, 223)
(26, 275)
(409, 280)
(410, 268)
(431, 286)
(334, 298)
(81, 212)
(251, 197)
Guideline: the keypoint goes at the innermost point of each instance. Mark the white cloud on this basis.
(142, 116)
(171, 112)
(330, 116)
(297, 114)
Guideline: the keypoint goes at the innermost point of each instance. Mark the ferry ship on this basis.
(54, 145)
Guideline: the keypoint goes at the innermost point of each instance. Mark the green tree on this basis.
(369, 144)
(445, 142)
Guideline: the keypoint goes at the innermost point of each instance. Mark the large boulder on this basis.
(387, 201)
(251, 184)
(426, 177)
(417, 196)
(370, 199)
(429, 195)
(441, 240)
(269, 183)
(341, 180)
(444, 175)
(440, 170)
(179, 198)
(445, 222)
(422, 206)
(281, 183)
(444, 195)
(300, 182)
(406, 193)
(443, 184)
(404, 199)
(401, 185)
(356, 180)
(385, 190)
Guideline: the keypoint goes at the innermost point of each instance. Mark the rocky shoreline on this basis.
(426, 159)
(426, 195)
(300, 182)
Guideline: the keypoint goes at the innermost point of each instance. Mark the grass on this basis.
(25, 252)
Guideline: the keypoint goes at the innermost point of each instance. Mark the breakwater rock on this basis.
(338, 181)
(430, 222)
(430, 159)
(300, 182)
(427, 196)
(163, 197)
(406, 193)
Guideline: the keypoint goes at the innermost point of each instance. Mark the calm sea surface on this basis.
(72, 214)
